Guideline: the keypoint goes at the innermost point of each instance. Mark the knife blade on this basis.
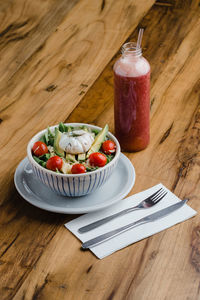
(150, 218)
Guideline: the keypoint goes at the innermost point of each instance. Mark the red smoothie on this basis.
(132, 101)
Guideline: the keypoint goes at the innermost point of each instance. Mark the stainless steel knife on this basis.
(150, 218)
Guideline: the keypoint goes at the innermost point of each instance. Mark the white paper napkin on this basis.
(135, 234)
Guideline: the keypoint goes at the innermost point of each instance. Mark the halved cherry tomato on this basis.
(78, 168)
(97, 159)
(54, 163)
(108, 147)
(39, 148)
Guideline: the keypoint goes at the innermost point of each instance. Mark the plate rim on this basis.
(66, 210)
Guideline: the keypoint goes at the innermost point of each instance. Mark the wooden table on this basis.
(56, 60)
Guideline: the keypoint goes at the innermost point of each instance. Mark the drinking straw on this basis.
(139, 40)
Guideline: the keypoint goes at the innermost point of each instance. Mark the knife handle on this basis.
(105, 220)
(108, 235)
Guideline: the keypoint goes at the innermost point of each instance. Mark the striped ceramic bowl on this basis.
(73, 185)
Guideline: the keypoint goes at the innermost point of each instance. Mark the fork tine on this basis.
(160, 197)
(158, 191)
(157, 195)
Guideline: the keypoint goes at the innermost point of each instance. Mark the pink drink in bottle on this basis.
(132, 99)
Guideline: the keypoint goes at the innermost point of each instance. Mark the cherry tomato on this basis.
(78, 168)
(39, 148)
(108, 147)
(97, 159)
(54, 163)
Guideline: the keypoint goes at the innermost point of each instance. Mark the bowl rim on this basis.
(40, 133)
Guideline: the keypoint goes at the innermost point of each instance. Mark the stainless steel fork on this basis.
(146, 203)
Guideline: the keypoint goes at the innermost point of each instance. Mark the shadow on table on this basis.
(15, 207)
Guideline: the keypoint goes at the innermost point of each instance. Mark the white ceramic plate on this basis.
(115, 189)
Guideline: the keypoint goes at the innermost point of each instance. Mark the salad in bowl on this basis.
(73, 159)
(74, 150)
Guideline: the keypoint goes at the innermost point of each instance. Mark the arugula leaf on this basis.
(62, 127)
(95, 131)
(42, 139)
(45, 157)
(109, 157)
(39, 161)
(46, 136)
(50, 137)
(91, 169)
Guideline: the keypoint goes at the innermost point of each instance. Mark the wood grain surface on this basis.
(50, 82)
(56, 65)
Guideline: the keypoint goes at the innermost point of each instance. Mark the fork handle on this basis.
(105, 220)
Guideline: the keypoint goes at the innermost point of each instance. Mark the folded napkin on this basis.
(135, 234)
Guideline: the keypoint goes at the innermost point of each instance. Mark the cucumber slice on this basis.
(70, 157)
(81, 157)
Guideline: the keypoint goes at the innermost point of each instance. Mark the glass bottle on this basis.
(132, 99)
